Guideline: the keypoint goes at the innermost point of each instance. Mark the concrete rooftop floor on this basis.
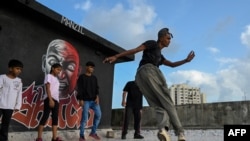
(149, 135)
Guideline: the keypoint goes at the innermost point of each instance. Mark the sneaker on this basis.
(57, 139)
(39, 139)
(138, 136)
(82, 138)
(163, 135)
(181, 137)
(123, 136)
(95, 136)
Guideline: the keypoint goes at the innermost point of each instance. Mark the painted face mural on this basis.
(60, 51)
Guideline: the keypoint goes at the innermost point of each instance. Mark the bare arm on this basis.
(51, 101)
(124, 95)
(178, 63)
(112, 59)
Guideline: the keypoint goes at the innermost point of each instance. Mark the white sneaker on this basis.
(181, 137)
(163, 135)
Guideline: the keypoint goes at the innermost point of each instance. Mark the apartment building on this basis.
(183, 94)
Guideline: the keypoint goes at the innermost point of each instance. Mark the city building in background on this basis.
(183, 94)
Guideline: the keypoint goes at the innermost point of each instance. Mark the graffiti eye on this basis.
(52, 61)
(71, 67)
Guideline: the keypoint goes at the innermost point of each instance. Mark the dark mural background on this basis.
(40, 37)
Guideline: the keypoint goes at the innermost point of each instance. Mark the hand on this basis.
(97, 100)
(16, 110)
(51, 103)
(190, 56)
(81, 103)
(123, 104)
(110, 59)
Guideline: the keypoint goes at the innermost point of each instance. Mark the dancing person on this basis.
(152, 82)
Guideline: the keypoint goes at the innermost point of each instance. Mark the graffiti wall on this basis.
(58, 51)
(32, 109)
(39, 38)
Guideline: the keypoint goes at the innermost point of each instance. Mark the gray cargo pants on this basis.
(152, 84)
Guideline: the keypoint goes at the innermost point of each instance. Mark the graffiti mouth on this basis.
(63, 86)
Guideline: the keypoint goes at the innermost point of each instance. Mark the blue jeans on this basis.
(97, 116)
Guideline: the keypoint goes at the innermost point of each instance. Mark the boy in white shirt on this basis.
(10, 95)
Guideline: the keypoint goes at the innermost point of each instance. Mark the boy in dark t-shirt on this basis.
(88, 96)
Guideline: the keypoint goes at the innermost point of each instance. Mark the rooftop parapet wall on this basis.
(200, 116)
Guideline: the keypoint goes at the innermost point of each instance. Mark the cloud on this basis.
(245, 37)
(123, 25)
(213, 50)
(226, 61)
(228, 84)
(207, 82)
(85, 6)
(234, 81)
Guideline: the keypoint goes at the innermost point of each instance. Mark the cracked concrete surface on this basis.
(149, 135)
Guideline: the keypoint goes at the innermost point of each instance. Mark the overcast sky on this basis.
(217, 30)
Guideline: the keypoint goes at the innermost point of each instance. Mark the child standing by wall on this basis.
(51, 102)
(10, 95)
(88, 96)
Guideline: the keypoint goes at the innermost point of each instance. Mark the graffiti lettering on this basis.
(32, 109)
(72, 25)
